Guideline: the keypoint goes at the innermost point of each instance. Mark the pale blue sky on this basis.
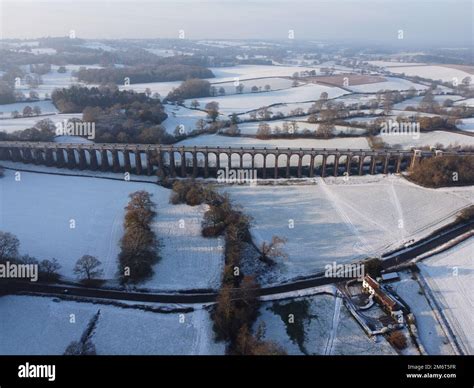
(441, 22)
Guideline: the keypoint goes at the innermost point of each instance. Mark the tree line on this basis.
(237, 306)
(143, 74)
(138, 246)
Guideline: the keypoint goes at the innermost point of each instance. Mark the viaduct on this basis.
(167, 160)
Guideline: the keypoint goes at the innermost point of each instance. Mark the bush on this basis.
(194, 196)
(191, 88)
(466, 214)
(373, 267)
(213, 230)
(444, 171)
(397, 339)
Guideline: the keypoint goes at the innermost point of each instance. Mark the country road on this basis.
(393, 259)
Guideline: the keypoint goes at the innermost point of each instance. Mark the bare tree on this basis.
(9, 245)
(87, 267)
(274, 249)
(49, 269)
(325, 130)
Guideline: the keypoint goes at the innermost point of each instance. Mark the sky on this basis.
(434, 22)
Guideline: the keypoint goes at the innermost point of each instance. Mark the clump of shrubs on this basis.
(466, 214)
(191, 193)
(398, 340)
(444, 171)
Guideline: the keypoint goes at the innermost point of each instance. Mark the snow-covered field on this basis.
(301, 126)
(127, 331)
(435, 73)
(248, 142)
(45, 106)
(392, 83)
(39, 326)
(162, 88)
(415, 101)
(350, 339)
(42, 326)
(226, 141)
(361, 217)
(275, 83)
(178, 115)
(427, 138)
(189, 261)
(467, 102)
(54, 80)
(242, 72)
(230, 75)
(322, 326)
(38, 209)
(430, 332)
(313, 315)
(244, 103)
(450, 277)
(11, 125)
(467, 124)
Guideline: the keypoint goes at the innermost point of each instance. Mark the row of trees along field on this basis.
(139, 247)
(237, 304)
(143, 74)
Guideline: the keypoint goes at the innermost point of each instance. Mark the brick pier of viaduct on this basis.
(270, 163)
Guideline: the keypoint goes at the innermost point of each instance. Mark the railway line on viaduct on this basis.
(202, 161)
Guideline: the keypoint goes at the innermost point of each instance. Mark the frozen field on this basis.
(313, 316)
(360, 219)
(178, 115)
(350, 339)
(435, 73)
(428, 139)
(226, 141)
(241, 104)
(323, 326)
(128, 331)
(450, 277)
(162, 88)
(415, 101)
(467, 102)
(392, 83)
(11, 125)
(302, 126)
(46, 106)
(230, 74)
(430, 332)
(467, 124)
(275, 83)
(54, 80)
(242, 72)
(189, 261)
(41, 326)
(38, 210)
